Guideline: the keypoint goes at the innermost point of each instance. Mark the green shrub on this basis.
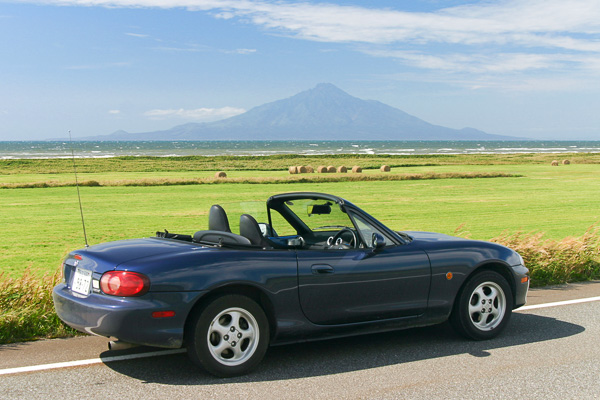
(551, 261)
(27, 310)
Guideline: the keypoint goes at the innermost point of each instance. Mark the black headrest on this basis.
(217, 219)
(249, 229)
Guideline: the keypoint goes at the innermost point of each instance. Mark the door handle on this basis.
(319, 269)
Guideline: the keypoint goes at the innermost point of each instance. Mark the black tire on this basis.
(483, 307)
(229, 337)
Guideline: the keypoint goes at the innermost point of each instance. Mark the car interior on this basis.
(303, 223)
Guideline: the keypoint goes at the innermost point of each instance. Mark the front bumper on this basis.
(520, 272)
(127, 318)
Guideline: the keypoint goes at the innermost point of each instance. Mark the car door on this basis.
(339, 286)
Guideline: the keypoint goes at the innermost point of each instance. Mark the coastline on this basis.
(13, 150)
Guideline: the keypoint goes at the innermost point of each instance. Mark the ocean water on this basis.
(101, 149)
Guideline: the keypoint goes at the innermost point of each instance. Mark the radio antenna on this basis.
(77, 185)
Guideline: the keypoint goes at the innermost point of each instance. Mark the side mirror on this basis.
(378, 241)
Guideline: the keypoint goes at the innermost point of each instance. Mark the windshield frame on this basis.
(277, 203)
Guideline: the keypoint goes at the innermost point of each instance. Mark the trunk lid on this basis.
(108, 256)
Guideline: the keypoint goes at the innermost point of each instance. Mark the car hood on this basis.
(433, 242)
(432, 236)
(107, 256)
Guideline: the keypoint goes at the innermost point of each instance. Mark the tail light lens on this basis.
(124, 283)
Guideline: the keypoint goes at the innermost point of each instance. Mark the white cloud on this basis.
(540, 34)
(114, 112)
(198, 114)
(486, 63)
(240, 51)
(138, 35)
(514, 83)
(225, 15)
(176, 49)
(99, 66)
(540, 21)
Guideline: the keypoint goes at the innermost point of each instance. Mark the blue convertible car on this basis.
(316, 267)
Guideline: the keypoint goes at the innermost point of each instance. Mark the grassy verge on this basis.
(277, 162)
(551, 261)
(305, 178)
(26, 309)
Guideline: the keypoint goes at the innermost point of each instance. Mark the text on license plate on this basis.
(81, 281)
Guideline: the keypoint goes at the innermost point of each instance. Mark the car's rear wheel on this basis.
(483, 307)
(229, 336)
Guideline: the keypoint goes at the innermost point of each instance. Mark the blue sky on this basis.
(526, 68)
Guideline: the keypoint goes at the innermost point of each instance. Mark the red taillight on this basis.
(77, 257)
(124, 283)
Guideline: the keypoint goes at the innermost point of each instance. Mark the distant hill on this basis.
(322, 113)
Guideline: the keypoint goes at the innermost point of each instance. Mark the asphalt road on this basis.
(545, 353)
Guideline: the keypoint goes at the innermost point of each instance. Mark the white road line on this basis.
(558, 303)
(88, 362)
(92, 361)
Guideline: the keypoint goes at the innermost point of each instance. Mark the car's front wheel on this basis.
(229, 337)
(483, 307)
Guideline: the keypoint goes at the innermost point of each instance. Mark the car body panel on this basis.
(361, 285)
(128, 319)
(307, 293)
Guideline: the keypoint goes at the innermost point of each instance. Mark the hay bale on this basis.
(321, 169)
(385, 168)
(356, 169)
(342, 169)
(566, 162)
(293, 170)
(309, 169)
(554, 163)
(221, 174)
(331, 169)
(301, 169)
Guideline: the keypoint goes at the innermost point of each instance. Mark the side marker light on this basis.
(449, 275)
(163, 314)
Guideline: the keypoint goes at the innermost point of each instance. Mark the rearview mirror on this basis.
(378, 241)
(319, 209)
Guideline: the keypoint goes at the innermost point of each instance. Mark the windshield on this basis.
(317, 215)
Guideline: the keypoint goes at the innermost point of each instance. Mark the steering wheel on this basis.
(336, 240)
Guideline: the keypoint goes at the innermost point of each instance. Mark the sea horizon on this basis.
(43, 149)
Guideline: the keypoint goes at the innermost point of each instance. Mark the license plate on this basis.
(81, 281)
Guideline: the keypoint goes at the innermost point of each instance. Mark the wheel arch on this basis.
(499, 267)
(250, 291)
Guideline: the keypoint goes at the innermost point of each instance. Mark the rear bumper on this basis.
(127, 318)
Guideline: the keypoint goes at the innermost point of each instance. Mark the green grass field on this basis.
(274, 163)
(39, 226)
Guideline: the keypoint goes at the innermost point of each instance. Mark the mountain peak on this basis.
(327, 89)
(324, 112)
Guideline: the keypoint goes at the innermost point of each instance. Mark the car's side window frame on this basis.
(365, 219)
